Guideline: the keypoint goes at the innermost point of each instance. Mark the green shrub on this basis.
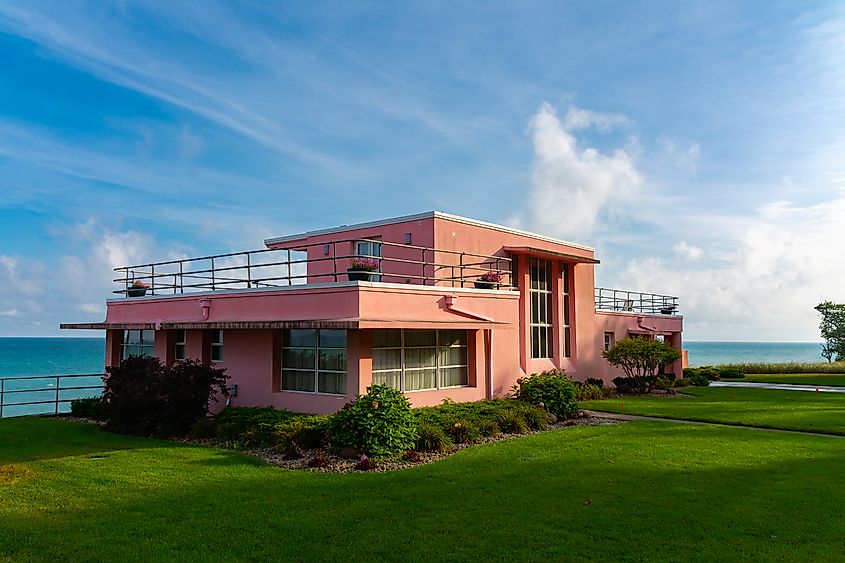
(479, 413)
(700, 380)
(511, 422)
(431, 438)
(682, 382)
(463, 432)
(832, 368)
(378, 423)
(551, 390)
(642, 360)
(301, 434)
(489, 428)
(90, 407)
(204, 428)
(252, 426)
(143, 396)
(728, 372)
(662, 383)
(595, 381)
(587, 392)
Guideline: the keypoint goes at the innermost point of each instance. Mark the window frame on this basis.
(438, 366)
(609, 339)
(317, 347)
(541, 292)
(217, 346)
(124, 343)
(180, 344)
(370, 249)
(566, 309)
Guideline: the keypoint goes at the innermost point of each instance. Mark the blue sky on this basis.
(698, 146)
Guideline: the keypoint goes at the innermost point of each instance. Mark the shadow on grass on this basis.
(738, 494)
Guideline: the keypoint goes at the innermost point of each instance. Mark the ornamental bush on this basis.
(143, 396)
(378, 423)
(89, 407)
(431, 438)
(551, 390)
(641, 359)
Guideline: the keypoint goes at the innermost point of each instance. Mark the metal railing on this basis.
(267, 268)
(45, 394)
(635, 302)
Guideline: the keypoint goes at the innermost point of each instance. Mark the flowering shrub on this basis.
(364, 264)
(138, 284)
(492, 277)
(378, 423)
(365, 464)
(319, 460)
(463, 432)
(551, 390)
(412, 456)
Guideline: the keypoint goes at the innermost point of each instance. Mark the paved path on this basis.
(779, 386)
(630, 417)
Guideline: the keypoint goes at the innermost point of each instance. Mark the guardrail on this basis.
(45, 394)
(323, 262)
(635, 302)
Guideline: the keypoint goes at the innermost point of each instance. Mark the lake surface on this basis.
(703, 353)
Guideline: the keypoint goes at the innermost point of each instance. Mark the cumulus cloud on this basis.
(687, 250)
(573, 186)
(785, 260)
(579, 118)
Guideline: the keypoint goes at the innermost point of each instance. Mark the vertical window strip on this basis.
(540, 296)
(217, 345)
(180, 351)
(566, 280)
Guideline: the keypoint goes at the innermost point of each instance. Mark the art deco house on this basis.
(452, 307)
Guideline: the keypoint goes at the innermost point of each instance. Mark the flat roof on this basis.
(417, 217)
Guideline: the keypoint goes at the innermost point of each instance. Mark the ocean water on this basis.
(703, 353)
(25, 361)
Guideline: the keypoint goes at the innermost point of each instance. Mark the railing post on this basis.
(2, 395)
(248, 270)
(462, 269)
(290, 282)
(152, 280)
(57, 394)
(181, 279)
(212, 275)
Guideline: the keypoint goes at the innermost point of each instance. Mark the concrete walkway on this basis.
(779, 386)
(631, 417)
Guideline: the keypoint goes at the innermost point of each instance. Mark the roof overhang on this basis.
(355, 323)
(551, 254)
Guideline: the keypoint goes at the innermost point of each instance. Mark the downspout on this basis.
(488, 344)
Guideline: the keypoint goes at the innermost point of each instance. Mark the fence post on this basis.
(57, 394)
(248, 270)
(212, 274)
(2, 395)
(181, 280)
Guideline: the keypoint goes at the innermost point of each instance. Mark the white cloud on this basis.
(572, 186)
(785, 260)
(9, 313)
(687, 250)
(579, 118)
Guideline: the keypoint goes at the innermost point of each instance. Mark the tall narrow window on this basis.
(370, 250)
(314, 361)
(609, 340)
(137, 343)
(566, 280)
(414, 360)
(181, 344)
(217, 345)
(540, 295)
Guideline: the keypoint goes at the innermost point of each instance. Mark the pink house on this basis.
(295, 329)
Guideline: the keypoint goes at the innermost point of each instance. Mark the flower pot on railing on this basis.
(362, 269)
(137, 289)
(488, 280)
(480, 284)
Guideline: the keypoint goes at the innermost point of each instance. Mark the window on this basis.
(540, 294)
(180, 351)
(413, 360)
(371, 251)
(137, 343)
(314, 361)
(565, 308)
(609, 340)
(217, 345)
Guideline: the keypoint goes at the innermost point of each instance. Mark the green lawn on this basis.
(657, 491)
(801, 379)
(788, 410)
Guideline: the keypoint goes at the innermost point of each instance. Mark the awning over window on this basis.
(551, 254)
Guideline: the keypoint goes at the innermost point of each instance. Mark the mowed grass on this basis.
(800, 379)
(787, 410)
(637, 491)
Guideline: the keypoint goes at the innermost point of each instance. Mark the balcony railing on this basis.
(46, 394)
(268, 268)
(635, 302)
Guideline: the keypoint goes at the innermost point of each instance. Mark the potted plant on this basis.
(361, 269)
(488, 280)
(137, 289)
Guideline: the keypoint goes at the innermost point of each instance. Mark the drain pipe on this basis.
(488, 344)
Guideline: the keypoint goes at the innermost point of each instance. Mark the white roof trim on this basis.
(426, 215)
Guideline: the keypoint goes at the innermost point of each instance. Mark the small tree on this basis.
(641, 360)
(832, 328)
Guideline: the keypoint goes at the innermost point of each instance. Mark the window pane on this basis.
(180, 351)
(387, 359)
(298, 380)
(300, 338)
(217, 337)
(450, 377)
(332, 383)
(333, 359)
(420, 358)
(387, 378)
(298, 358)
(333, 339)
(420, 338)
(452, 337)
(387, 338)
(131, 350)
(132, 337)
(535, 342)
(216, 353)
(453, 356)
(181, 336)
(420, 379)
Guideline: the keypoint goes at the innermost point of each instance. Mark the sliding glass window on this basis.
(314, 361)
(414, 360)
